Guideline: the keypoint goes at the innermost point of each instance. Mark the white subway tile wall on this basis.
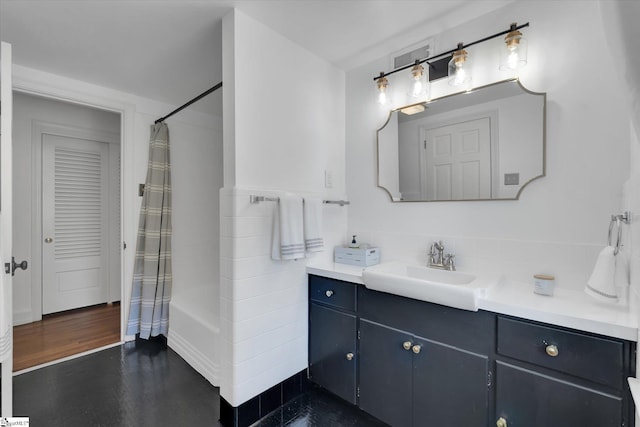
(263, 302)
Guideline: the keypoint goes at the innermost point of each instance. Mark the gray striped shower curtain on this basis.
(151, 292)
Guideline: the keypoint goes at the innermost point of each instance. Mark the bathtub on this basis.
(194, 332)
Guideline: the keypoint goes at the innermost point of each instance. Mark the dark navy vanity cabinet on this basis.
(333, 326)
(413, 363)
(546, 375)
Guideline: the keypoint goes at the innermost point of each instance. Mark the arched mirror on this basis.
(485, 144)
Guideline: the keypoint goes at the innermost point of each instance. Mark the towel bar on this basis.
(257, 199)
(625, 217)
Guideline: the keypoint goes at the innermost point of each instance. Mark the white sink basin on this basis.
(450, 288)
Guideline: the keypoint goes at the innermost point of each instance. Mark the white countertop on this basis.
(568, 308)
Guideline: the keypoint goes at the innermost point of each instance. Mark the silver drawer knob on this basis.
(552, 350)
(349, 356)
(329, 293)
(48, 240)
(416, 348)
(407, 345)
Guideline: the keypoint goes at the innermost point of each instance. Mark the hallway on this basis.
(65, 334)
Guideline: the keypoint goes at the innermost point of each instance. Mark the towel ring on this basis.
(615, 219)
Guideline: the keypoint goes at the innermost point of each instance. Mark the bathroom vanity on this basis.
(415, 363)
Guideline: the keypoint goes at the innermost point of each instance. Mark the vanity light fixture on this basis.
(419, 80)
(459, 73)
(383, 94)
(514, 56)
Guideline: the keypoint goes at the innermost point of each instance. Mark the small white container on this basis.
(543, 284)
(363, 257)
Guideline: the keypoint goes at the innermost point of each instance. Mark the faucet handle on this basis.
(449, 262)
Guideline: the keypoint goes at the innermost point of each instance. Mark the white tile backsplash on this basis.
(518, 260)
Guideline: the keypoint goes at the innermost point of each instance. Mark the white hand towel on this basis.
(6, 329)
(622, 270)
(288, 235)
(601, 285)
(312, 217)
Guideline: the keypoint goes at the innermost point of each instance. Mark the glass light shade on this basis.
(514, 55)
(382, 90)
(459, 73)
(419, 86)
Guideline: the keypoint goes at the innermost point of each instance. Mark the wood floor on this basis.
(65, 334)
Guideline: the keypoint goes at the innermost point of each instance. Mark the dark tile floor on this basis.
(144, 383)
(140, 383)
(318, 408)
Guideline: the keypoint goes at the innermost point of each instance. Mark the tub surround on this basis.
(194, 331)
(567, 308)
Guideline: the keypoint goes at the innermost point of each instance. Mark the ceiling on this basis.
(171, 50)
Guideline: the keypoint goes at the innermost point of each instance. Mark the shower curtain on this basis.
(151, 292)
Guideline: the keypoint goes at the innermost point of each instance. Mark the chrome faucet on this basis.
(438, 259)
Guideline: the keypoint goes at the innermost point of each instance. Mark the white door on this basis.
(6, 303)
(457, 161)
(74, 223)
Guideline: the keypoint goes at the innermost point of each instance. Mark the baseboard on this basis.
(194, 357)
(259, 406)
(22, 317)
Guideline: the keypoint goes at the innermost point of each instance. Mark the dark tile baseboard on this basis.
(266, 402)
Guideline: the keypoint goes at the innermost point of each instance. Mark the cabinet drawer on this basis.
(526, 398)
(332, 292)
(592, 358)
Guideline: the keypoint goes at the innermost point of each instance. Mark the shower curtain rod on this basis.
(185, 105)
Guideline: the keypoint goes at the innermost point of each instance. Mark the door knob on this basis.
(48, 240)
(416, 348)
(13, 266)
(406, 345)
(329, 293)
(501, 422)
(349, 356)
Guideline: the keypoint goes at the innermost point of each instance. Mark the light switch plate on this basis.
(328, 179)
(511, 179)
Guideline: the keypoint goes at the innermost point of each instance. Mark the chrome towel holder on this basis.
(253, 199)
(616, 220)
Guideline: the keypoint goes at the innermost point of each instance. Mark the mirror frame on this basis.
(517, 196)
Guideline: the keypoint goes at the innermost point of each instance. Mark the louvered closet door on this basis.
(74, 223)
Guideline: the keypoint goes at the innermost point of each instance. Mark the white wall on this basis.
(283, 127)
(560, 222)
(27, 112)
(196, 172)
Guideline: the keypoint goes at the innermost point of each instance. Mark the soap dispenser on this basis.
(353, 243)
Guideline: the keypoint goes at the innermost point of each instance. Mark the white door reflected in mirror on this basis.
(487, 144)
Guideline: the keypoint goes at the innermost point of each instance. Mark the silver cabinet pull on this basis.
(329, 293)
(416, 348)
(349, 356)
(407, 345)
(48, 240)
(552, 350)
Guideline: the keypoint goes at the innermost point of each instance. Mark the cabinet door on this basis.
(385, 373)
(527, 398)
(449, 386)
(332, 351)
